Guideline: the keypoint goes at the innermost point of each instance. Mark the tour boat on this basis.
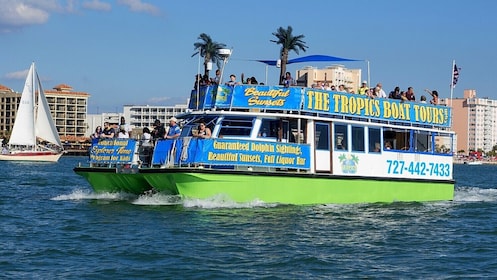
(289, 145)
(34, 135)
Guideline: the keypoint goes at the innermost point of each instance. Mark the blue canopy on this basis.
(310, 58)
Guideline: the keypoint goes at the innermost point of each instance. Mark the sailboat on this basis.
(34, 136)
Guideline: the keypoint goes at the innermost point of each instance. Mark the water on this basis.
(53, 227)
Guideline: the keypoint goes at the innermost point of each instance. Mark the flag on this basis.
(455, 76)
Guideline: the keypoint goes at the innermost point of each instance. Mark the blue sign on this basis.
(225, 152)
(114, 151)
(267, 97)
(254, 153)
(377, 108)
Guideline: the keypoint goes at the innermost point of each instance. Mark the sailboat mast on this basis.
(33, 92)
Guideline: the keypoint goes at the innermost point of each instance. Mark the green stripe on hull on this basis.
(107, 180)
(289, 189)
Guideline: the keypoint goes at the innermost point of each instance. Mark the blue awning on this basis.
(310, 58)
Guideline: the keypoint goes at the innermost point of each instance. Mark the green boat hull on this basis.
(110, 180)
(285, 188)
(300, 189)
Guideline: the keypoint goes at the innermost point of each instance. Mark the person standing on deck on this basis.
(174, 130)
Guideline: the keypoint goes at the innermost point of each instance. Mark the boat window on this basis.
(396, 139)
(322, 136)
(235, 127)
(358, 144)
(374, 137)
(422, 140)
(340, 137)
(269, 128)
(444, 142)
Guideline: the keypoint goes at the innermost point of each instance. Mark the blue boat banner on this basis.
(319, 101)
(116, 151)
(254, 153)
(267, 97)
(226, 152)
(376, 108)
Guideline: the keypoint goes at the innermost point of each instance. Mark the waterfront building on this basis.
(9, 101)
(474, 121)
(69, 109)
(335, 75)
(137, 116)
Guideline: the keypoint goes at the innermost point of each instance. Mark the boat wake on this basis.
(89, 195)
(461, 194)
(475, 194)
(158, 199)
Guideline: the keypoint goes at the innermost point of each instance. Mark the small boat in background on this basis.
(475, 162)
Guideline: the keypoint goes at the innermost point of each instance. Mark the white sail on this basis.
(24, 126)
(45, 126)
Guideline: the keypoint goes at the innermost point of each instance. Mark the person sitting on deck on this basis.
(203, 131)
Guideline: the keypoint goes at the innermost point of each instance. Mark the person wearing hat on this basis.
(159, 131)
(174, 130)
(363, 90)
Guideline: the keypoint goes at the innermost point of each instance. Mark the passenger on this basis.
(108, 131)
(159, 131)
(364, 88)
(146, 147)
(203, 131)
(253, 81)
(288, 80)
(232, 81)
(126, 127)
(434, 96)
(146, 139)
(96, 135)
(381, 93)
(377, 147)
(410, 94)
(395, 94)
(198, 81)
(174, 130)
(217, 78)
(423, 99)
(122, 134)
(388, 145)
(341, 88)
(327, 86)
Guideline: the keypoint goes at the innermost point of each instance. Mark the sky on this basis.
(139, 52)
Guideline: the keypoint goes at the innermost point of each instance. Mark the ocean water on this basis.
(52, 226)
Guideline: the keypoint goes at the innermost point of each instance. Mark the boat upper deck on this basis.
(315, 102)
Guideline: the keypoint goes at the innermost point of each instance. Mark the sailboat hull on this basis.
(32, 156)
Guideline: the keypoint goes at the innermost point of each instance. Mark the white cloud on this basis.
(96, 5)
(138, 6)
(158, 100)
(19, 13)
(16, 14)
(19, 75)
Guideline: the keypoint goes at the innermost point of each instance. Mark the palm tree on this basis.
(208, 49)
(288, 43)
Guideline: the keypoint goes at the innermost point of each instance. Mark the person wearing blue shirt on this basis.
(174, 130)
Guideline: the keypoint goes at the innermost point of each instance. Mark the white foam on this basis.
(473, 194)
(157, 199)
(80, 194)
